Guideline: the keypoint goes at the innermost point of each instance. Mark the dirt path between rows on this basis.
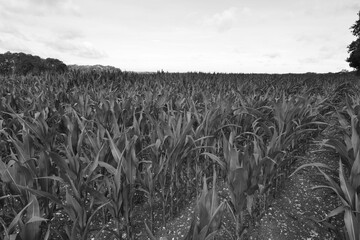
(291, 214)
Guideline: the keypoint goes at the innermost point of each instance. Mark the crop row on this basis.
(87, 146)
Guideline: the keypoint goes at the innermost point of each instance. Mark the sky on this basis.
(234, 36)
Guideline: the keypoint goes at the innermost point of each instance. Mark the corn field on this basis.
(81, 152)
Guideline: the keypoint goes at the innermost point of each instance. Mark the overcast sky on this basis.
(259, 36)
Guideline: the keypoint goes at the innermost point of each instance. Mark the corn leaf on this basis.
(351, 224)
(346, 187)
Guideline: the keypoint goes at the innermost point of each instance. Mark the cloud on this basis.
(332, 52)
(10, 30)
(14, 45)
(332, 7)
(323, 54)
(12, 39)
(71, 35)
(348, 6)
(246, 11)
(326, 52)
(314, 38)
(224, 20)
(272, 55)
(76, 47)
(236, 51)
(87, 50)
(308, 60)
(39, 7)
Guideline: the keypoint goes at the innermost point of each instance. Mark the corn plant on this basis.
(121, 181)
(147, 185)
(75, 172)
(207, 216)
(26, 169)
(177, 147)
(26, 223)
(237, 179)
(205, 138)
(294, 119)
(347, 190)
(348, 195)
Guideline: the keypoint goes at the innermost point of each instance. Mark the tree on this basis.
(55, 65)
(6, 64)
(23, 64)
(354, 47)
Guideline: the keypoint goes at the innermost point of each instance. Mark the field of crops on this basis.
(93, 155)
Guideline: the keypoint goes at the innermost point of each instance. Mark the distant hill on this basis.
(94, 68)
(23, 64)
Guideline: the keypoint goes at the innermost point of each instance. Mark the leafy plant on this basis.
(207, 216)
(26, 223)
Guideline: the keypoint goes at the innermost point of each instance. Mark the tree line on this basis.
(24, 64)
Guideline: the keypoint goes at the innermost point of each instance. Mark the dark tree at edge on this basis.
(354, 47)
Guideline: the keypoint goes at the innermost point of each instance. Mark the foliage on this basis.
(347, 185)
(87, 144)
(354, 47)
(23, 64)
(207, 216)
